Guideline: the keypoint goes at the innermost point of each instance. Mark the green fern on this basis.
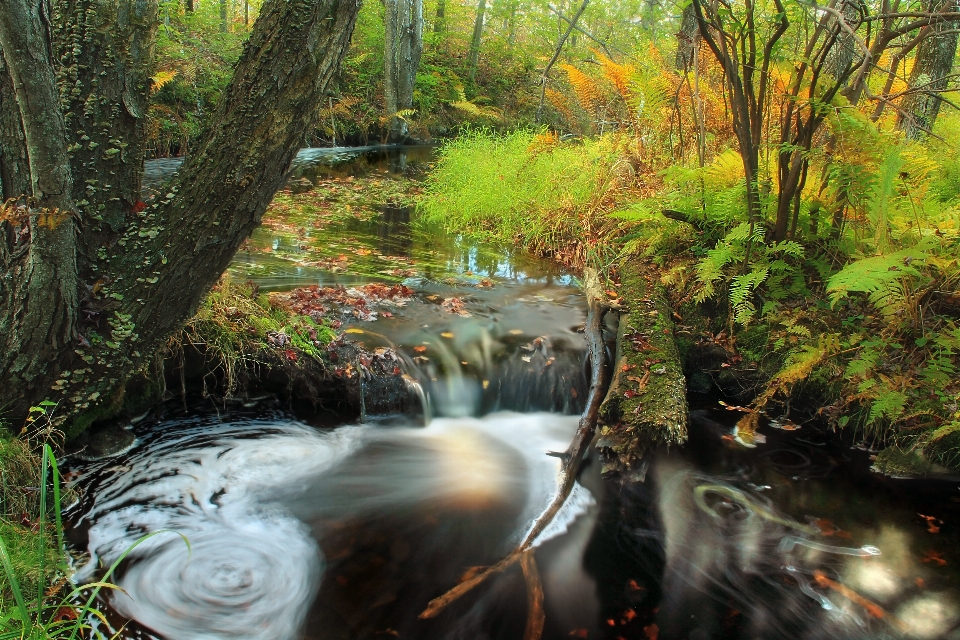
(884, 278)
(742, 288)
(889, 404)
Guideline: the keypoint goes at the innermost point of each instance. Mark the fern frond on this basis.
(880, 277)
(725, 170)
(619, 75)
(586, 89)
(161, 78)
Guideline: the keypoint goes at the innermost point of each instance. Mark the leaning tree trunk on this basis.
(403, 22)
(144, 269)
(38, 290)
(930, 74)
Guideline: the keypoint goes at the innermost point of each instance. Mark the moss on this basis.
(105, 410)
(892, 461)
(646, 405)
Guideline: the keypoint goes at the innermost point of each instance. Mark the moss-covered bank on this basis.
(646, 404)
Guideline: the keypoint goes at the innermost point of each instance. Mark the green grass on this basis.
(521, 187)
(235, 322)
(37, 601)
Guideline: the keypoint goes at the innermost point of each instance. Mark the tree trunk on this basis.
(931, 70)
(189, 6)
(223, 16)
(687, 39)
(14, 167)
(38, 292)
(149, 274)
(403, 21)
(473, 56)
(440, 23)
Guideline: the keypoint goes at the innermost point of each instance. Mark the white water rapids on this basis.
(241, 493)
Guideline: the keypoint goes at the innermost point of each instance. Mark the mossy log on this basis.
(646, 404)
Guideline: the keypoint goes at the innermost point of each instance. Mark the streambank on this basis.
(646, 405)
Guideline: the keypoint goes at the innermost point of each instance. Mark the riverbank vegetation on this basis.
(840, 288)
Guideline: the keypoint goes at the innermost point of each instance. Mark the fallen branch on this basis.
(597, 307)
(535, 615)
(680, 216)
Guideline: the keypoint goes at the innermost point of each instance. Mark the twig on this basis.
(556, 54)
(535, 615)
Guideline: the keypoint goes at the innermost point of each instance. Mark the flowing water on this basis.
(269, 528)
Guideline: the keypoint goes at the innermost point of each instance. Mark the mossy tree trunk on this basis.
(87, 302)
(931, 72)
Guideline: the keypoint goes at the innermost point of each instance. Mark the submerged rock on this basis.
(897, 463)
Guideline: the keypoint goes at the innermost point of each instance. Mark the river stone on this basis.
(103, 441)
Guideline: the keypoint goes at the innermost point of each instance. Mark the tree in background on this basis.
(403, 38)
(932, 70)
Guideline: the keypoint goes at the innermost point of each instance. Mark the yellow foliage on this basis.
(798, 367)
(162, 78)
(586, 89)
(14, 210)
(546, 141)
(618, 75)
(559, 102)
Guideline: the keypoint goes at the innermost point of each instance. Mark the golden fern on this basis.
(619, 75)
(161, 78)
(559, 102)
(586, 88)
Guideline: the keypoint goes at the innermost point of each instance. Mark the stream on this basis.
(265, 527)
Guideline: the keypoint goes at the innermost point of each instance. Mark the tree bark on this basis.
(189, 6)
(473, 55)
(930, 74)
(14, 167)
(223, 16)
(687, 39)
(403, 23)
(38, 291)
(150, 275)
(107, 57)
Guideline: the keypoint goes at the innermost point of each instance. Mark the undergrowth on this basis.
(857, 311)
(523, 188)
(238, 326)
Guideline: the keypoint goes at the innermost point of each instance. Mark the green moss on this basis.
(108, 408)
(646, 405)
(894, 462)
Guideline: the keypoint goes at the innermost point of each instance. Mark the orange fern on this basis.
(586, 88)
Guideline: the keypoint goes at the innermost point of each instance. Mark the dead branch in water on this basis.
(597, 307)
(535, 615)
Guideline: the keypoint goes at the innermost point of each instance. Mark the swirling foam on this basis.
(253, 568)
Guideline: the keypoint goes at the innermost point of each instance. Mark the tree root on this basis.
(572, 457)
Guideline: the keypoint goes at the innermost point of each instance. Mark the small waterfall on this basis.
(476, 373)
